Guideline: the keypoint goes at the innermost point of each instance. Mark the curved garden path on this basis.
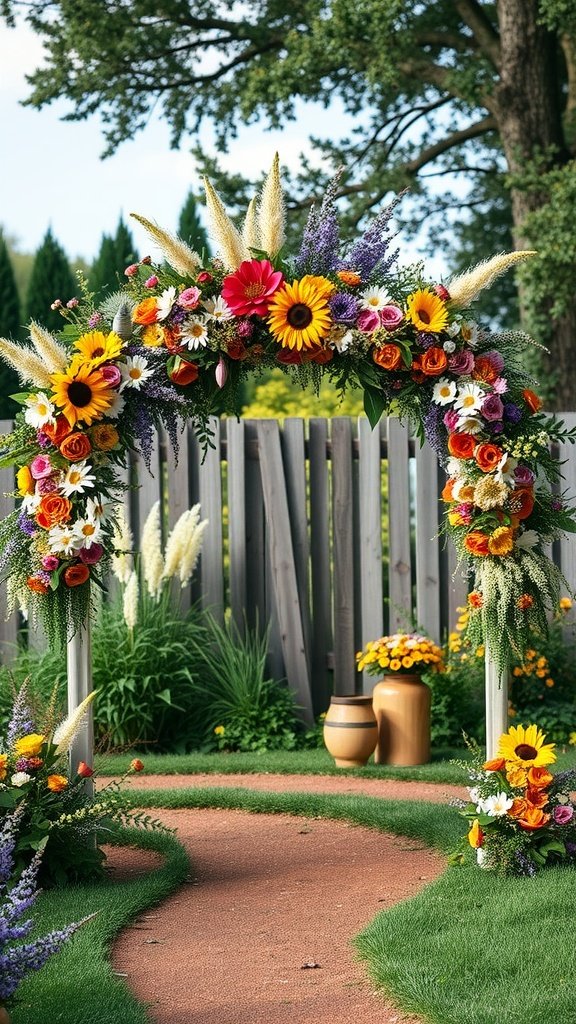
(261, 933)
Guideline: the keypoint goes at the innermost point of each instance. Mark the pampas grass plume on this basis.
(70, 727)
(271, 211)
(466, 287)
(130, 600)
(228, 239)
(29, 367)
(151, 551)
(53, 355)
(250, 235)
(176, 252)
(123, 544)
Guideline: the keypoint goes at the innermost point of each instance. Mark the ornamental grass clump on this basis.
(521, 816)
(18, 893)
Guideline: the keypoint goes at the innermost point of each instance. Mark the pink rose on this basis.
(189, 298)
(461, 363)
(151, 282)
(50, 562)
(492, 408)
(391, 317)
(563, 813)
(41, 467)
(368, 321)
(111, 374)
(524, 476)
(91, 555)
(451, 420)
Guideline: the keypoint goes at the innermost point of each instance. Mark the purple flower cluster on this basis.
(321, 239)
(21, 722)
(368, 253)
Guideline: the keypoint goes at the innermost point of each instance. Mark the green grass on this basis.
(299, 762)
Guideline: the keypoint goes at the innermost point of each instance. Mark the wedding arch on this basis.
(178, 340)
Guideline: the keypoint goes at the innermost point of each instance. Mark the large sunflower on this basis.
(427, 311)
(99, 348)
(82, 393)
(525, 748)
(299, 315)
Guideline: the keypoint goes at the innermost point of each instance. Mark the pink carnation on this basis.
(48, 484)
(41, 467)
(50, 562)
(563, 813)
(451, 420)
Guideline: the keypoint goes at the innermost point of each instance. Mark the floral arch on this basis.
(179, 339)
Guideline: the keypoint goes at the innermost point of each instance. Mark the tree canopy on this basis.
(440, 89)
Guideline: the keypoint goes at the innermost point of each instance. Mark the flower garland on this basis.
(182, 336)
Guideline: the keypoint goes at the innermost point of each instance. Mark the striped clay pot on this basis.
(350, 730)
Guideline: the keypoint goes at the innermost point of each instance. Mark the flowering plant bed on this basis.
(521, 815)
(401, 652)
(184, 334)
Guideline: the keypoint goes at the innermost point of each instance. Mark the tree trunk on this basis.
(528, 109)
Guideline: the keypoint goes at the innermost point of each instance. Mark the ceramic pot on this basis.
(402, 708)
(350, 730)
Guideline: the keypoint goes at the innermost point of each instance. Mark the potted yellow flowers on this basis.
(401, 699)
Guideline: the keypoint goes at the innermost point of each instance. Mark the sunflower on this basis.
(99, 348)
(299, 315)
(426, 311)
(82, 393)
(525, 748)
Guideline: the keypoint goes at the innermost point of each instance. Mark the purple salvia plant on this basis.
(321, 239)
(368, 253)
(21, 722)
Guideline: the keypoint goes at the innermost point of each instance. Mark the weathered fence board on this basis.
(400, 563)
(370, 536)
(343, 556)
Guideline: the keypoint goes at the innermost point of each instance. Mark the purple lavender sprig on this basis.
(321, 239)
(21, 722)
(368, 253)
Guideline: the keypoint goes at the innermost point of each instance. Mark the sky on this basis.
(51, 174)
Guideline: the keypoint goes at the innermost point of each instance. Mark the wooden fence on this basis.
(325, 532)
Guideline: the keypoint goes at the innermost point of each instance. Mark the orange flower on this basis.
(183, 372)
(461, 445)
(137, 765)
(36, 585)
(455, 518)
(518, 809)
(516, 776)
(521, 502)
(76, 575)
(53, 509)
(434, 361)
(532, 401)
(447, 490)
(476, 543)
(236, 349)
(389, 357)
(56, 783)
(495, 765)
(3, 766)
(349, 277)
(322, 355)
(75, 447)
(475, 835)
(532, 819)
(485, 370)
(539, 777)
(145, 312)
(501, 541)
(475, 600)
(84, 770)
(289, 357)
(488, 456)
(57, 431)
(104, 436)
(524, 602)
(536, 797)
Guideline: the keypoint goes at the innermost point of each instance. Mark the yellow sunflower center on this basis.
(423, 315)
(79, 394)
(299, 316)
(525, 752)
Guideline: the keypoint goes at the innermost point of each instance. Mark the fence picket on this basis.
(427, 542)
(399, 525)
(320, 563)
(210, 497)
(343, 555)
(370, 534)
(8, 626)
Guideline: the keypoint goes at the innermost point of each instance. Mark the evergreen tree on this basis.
(103, 273)
(9, 328)
(51, 279)
(124, 248)
(190, 227)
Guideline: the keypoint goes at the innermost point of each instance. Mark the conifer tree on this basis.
(124, 248)
(51, 279)
(190, 227)
(103, 276)
(9, 328)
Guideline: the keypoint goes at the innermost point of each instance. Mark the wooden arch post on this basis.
(79, 666)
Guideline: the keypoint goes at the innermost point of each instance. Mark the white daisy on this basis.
(470, 398)
(470, 424)
(444, 391)
(504, 472)
(64, 539)
(98, 510)
(77, 479)
(116, 406)
(20, 779)
(39, 410)
(469, 332)
(134, 372)
(30, 503)
(195, 333)
(457, 488)
(497, 805)
(89, 531)
(218, 310)
(165, 302)
(374, 299)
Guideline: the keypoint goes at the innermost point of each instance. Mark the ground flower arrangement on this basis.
(521, 815)
(400, 653)
(183, 334)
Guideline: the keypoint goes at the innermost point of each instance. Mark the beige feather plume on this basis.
(29, 367)
(176, 252)
(70, 727)
(271, 211)
(232, 248)
(466, 287)
(52, 354)
(250, 235)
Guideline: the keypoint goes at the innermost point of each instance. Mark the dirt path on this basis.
(270, 897)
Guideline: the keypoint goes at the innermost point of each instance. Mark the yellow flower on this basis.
(153, 336)
(29, 746)
(572, 739)
(104, 436)
(524, 747)
(426, 311)
(3, 766)
(475, 835)
(565, 604)
(99, 348)
(219, 730)
(82, 393)
(395, 664)
(299, 315)
(25, 481)
(407, 662)
(501, 541)
(56, 783)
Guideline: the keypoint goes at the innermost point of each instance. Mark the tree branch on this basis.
(482, 28)
(486, 124)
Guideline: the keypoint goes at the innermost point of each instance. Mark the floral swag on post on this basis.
(179, 340)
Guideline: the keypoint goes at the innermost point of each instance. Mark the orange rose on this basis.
(104, 436)
(389, 357)
(475, 835)
(447, 491)
(539, 778)
(532, 401)
(56, 432)
(434, 361)
(495, 765)
(36, 585)
(518, 809)
(521, 502)
(536, 797)
(320, 356)
(56, 783)
(476, 543)
(484, 370)
(75, 447)
(488, 456)
(183, 372)
(53, 509)
(137, 765)
(461, 445)
(76, 575)
(532, 819)
(145, 312)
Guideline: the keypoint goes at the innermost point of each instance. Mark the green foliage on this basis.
(190, 227)
(280, 396)
(51, 279)
(240, 708)
(10, 326)
(115, 254)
